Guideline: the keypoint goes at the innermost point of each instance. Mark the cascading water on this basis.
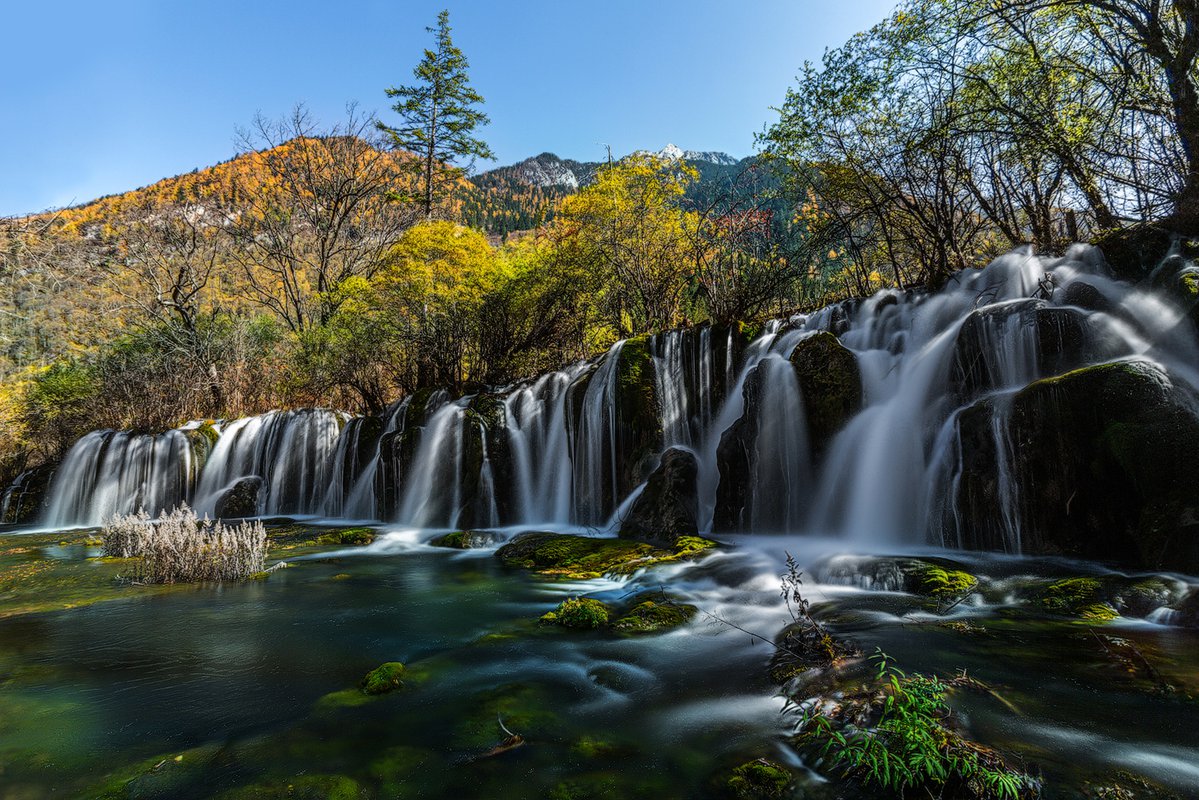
(291, 451)
(108, 473)
(539, 440)
(558, 450)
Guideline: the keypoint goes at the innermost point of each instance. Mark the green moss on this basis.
(458, 540)
(591, 747)
(400, 769)
(523, 708)
(758, 780)
(939, 583)
(652, 616)
(349, 536)
(384, 678)
(583, 557)
(578, 612)
(1084, 598)
(692, 545)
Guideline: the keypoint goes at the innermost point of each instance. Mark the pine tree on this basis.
(439, 115)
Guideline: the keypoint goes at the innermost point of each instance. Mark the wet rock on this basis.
(668, 506)
(1102, 460)
(583, 613)
(654, 612)
(383, 679)
(25, 499)
(637, 415)
(574, 557)
(467, 540)
(353, 537)
(1053, 339)
(240, 499)
(831, 385)
(760, 779)
(734, 459)
(1186, 612)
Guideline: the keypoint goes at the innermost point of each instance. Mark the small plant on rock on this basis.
(896, 739)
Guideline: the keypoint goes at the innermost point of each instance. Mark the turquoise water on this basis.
(249, 689)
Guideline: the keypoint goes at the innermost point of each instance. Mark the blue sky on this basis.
(103, 97)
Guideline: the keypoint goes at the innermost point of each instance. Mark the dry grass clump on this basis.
(180, 548)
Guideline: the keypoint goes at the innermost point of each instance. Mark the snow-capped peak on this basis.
(672, 152)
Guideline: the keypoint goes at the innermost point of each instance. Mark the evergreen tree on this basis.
(439, 115)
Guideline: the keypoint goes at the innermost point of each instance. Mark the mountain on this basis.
(522, 196)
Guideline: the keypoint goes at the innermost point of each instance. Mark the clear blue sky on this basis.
(101, 97)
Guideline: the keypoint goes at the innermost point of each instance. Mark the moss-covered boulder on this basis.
(1083, 598)
(583, 613)
(668, 506)
(760, 779)
(350, 537)
(573, 557)
(944, 585)
(831, 384)
(384, 678)
(654, 613)
(202, 437)
(1102, 463)
(240, 499)
(466, 540)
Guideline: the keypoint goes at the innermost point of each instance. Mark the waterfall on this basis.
(107, 473)
(593, 451)
(538, 437)
(291, 451)
(559, 450)
(362, 501)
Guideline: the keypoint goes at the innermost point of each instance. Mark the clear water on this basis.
(232, 678)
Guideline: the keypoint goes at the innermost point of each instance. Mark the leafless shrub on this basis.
(181, 548)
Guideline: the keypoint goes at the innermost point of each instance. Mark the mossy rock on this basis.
(831, 384)
(943, 585)
(466, 540)
(574, 557)
(583, 613)
(1103, 460)
(163, 777)
(655, 616)
(1082, 598)
(760, 779)
(638, 420)
(384, 678)
(353, 537)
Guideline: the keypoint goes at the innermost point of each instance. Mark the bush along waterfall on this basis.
(982, 496)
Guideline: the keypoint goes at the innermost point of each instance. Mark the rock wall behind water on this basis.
(1036, 405)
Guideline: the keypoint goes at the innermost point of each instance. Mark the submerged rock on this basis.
(668, 506)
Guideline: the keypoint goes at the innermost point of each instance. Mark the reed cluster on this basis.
(179, 547)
